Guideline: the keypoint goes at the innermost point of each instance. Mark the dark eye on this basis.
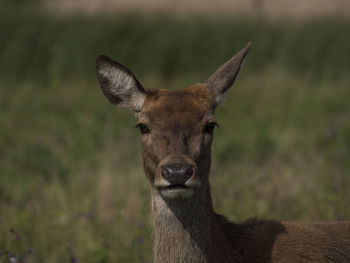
(143, 128)
(209, 128)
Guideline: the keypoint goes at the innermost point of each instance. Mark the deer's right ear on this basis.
(119, 84)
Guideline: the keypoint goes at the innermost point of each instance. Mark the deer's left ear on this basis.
(223, 78)
(119, 84)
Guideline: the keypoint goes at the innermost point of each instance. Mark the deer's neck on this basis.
(189, 231)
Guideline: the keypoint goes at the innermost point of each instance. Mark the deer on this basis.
(177, 128)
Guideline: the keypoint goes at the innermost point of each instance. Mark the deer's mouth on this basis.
(175, 187)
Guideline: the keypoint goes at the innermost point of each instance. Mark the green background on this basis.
(71, 182)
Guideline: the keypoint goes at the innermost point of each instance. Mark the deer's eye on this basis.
(143, 128)
(209, 128)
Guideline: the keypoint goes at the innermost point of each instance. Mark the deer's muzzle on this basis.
(177, 177)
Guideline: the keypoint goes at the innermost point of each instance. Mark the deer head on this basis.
(176, 125)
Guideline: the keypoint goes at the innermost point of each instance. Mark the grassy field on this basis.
(271, 8)
(71, 182)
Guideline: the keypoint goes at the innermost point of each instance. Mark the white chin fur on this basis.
(182, 193)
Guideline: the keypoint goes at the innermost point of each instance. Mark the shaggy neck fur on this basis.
(188, 230)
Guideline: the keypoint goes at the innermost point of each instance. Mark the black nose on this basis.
(177, 174)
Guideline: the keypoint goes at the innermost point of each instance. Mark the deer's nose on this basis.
(177, 174)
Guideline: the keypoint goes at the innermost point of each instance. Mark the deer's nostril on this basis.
(189, 172)
(166, 171)
(177, 173)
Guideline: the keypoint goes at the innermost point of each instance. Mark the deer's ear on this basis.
(223, 78)
(119, 84)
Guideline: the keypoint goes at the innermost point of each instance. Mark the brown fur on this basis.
(186, 228)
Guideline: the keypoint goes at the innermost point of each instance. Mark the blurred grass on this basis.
(35, 46)
(71, 180)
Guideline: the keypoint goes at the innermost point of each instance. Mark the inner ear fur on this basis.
(119, 84)
(224, 77)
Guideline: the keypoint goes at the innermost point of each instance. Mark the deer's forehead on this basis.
(189, 105)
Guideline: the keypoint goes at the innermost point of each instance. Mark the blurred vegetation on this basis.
(35, 46)
(71, 182)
